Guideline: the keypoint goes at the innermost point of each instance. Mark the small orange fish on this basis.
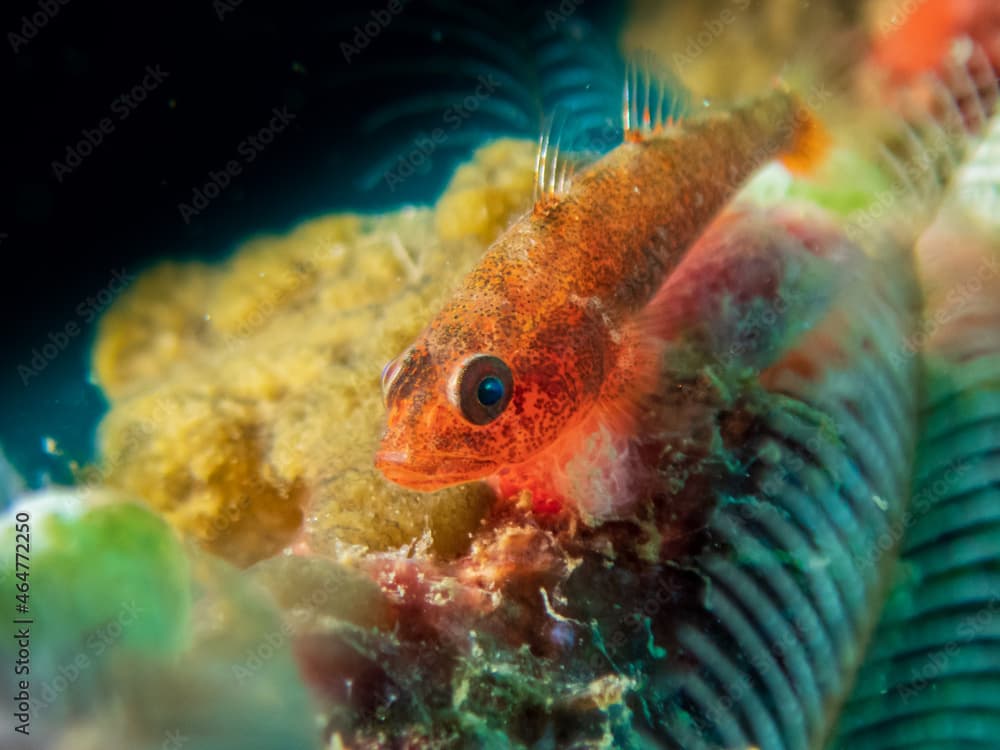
(546, 351)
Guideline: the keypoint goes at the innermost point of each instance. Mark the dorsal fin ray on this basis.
(653, 98)
(550, 170)
(563, 150)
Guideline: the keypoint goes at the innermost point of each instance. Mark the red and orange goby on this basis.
(552, 336)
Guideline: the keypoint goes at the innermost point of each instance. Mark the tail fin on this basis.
(811, 141)
(819, 79)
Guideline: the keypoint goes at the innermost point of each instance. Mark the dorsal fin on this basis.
(564, 149)
(553, 168)
(653, 98)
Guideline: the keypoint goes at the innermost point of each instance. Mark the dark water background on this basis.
(170, 93)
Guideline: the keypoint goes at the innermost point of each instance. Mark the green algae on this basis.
(112, 578)
(136, 639)
(848, 182)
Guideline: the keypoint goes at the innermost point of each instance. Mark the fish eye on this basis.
(483, 388)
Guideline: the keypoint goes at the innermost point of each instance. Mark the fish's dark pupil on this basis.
(482, 389)
(490, 390)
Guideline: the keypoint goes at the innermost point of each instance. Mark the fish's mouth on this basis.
(431, 472)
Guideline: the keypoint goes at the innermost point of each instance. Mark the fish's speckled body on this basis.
(563, 299)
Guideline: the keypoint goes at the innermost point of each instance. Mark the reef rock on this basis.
(244, 395)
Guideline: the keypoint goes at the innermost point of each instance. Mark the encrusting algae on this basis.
(244, 396)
